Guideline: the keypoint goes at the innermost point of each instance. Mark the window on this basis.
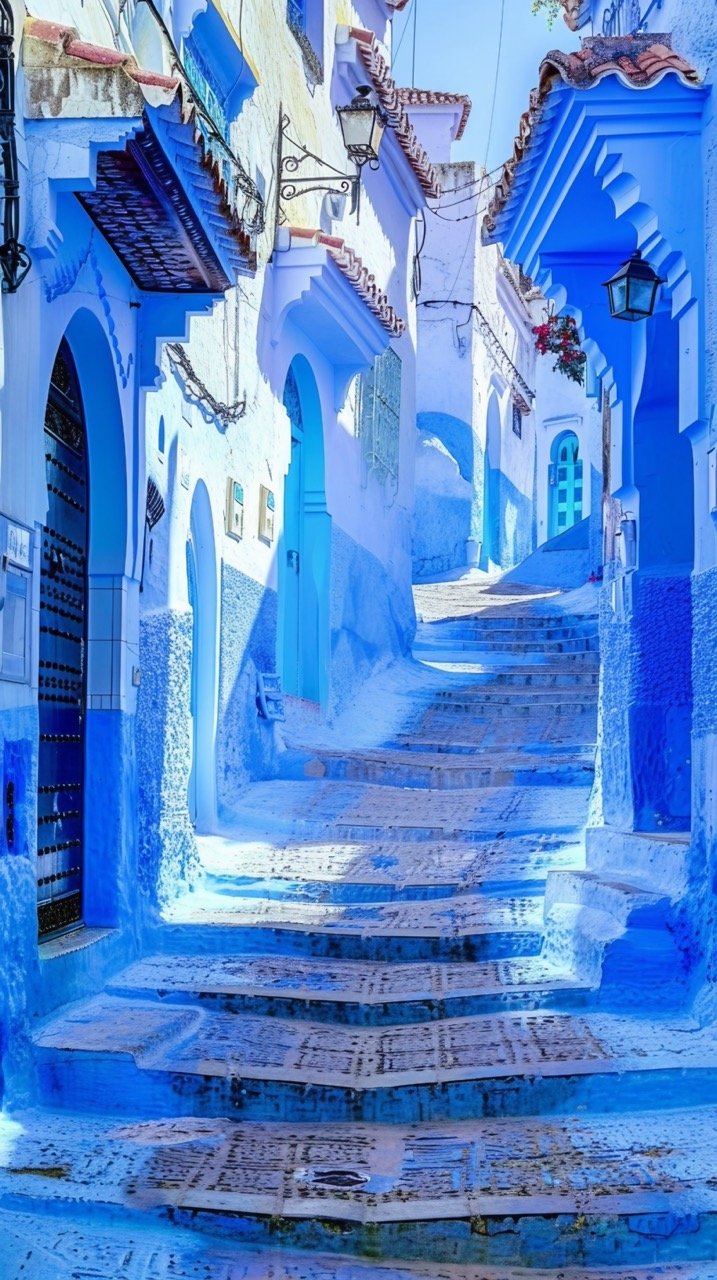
(218, 71)
(296, 14)
(306, 20)
(378, 414)
(517, 422)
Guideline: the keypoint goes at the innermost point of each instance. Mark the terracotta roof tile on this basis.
(431, 97)
(638, 60)
(67, 42)
(572, 11)
(390, 99)
(358, 275)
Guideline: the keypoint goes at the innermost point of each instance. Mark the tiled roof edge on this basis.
(358, 275)
(389, 97)
(429, 97)
(638, 61)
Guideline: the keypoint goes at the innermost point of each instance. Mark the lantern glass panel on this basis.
(641, 296)
(618, 295)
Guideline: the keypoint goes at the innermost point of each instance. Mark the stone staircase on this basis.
(359, 1052)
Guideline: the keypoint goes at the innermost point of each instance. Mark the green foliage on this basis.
(551, 9)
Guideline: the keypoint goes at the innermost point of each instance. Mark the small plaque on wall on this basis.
(266, 514)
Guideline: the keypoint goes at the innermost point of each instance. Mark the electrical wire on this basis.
(395, 52)
(413, 59)
(495, 83)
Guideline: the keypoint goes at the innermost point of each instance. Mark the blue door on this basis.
(566, 484)
(294, 552)
(62, 656)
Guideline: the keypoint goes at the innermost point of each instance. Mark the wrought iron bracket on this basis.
(292, 181)
(14, 258)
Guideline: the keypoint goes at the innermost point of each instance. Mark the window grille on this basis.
(378, 414)
(203, 81)
(296, 14)
(517, 422)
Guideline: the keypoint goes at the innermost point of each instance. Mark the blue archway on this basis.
(305, 545)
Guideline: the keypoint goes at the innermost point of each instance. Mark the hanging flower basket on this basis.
(558, 336)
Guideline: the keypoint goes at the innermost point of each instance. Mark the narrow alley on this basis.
(370, 1033)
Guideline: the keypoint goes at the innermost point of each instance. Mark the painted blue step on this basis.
(137, 1056)
(572, 1191)
(350, 992)
(68, 1245)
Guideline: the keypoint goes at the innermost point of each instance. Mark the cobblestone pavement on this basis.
(352, 1054)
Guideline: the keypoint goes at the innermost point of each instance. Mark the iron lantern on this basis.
(633, 289)
(362, 125)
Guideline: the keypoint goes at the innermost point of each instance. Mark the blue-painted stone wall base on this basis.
(18, 892)
(110, 819)
(246, 747)
(645, 745)
(372, 617)
(167, 848)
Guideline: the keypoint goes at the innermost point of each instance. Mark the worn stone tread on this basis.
(327, 806)
(300, 978)
(36, 1247)
(466, 915)
(599, 1165)
(388, 862)
(196, 1041)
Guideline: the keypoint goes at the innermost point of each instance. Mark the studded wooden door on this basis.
(62, 656)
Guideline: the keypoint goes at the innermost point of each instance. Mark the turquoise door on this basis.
(566, 484)
(293, 566)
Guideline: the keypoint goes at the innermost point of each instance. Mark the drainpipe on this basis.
(14, 258)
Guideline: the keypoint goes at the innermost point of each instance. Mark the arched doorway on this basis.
(565, 484)
(202, 598)
(305, 551)
(62, 675)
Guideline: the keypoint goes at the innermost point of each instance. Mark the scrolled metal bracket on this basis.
(293, 182)
(14, 258)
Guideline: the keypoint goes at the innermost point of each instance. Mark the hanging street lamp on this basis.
(363, 122)
(362, 125)
(632, 291)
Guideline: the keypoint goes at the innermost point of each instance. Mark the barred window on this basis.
(517, 421)
(378, 414)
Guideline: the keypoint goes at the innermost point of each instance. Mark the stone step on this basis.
(384, 871)
(125, 1055)
(621, 937)
(574, 644)
(361, 811)
(466, 927)
(443, 633)
(79, 1247)
(470, 701)
(442, 771)
(347, 991)
(514, 621)
(528, 676)
(596, 1192)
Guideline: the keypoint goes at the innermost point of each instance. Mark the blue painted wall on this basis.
(245, 743)
(167, 850)
(372, 620)
(18, 919)
(647, 706)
